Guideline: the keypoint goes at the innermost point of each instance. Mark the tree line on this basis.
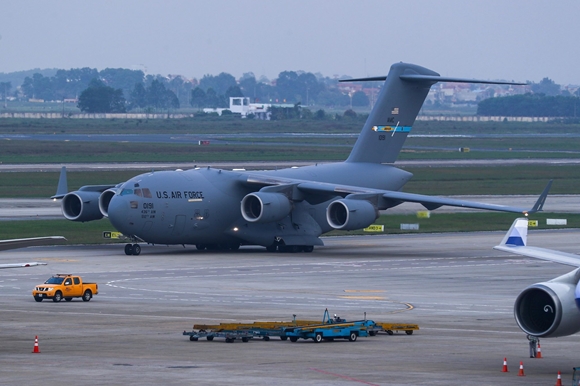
(140, 91)
(531, 105)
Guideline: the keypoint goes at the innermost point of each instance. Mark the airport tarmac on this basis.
(455, 286)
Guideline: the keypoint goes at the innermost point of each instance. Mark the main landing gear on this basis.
(290, 248)
(132, 249)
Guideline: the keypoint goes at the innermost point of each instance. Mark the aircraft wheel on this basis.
(318, 337)
(272, 248)
(308, 248)
(235, 247)
(200, 247)
(352, 337)
(128, 249)
(136, 249)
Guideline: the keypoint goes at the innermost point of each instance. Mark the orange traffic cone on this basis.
(521, 373)
(504, 368)
(559, 381)
(539, 352)
(36, 349)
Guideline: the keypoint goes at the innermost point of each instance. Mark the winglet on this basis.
(62, 188)
(539, 205)
(517, 234)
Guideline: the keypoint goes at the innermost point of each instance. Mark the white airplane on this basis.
(28, 242)
(547, 309)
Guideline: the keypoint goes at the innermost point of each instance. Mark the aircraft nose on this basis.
(119, 213)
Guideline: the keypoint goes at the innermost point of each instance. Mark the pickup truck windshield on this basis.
(54, 280)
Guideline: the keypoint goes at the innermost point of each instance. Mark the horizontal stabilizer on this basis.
(432, 79)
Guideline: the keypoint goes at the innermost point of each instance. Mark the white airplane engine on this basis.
(81, 206)
(550, 309)
(348, 214)
(264, 207)
(104, 200)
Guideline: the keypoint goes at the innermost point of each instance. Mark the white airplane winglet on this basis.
(518, 233)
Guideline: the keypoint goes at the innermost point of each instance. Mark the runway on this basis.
(458, 289)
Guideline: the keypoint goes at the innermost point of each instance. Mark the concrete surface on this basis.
(458, 289)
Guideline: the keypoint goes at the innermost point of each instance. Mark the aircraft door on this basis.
(179, 225)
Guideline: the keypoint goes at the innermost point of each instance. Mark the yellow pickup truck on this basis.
(65, 286)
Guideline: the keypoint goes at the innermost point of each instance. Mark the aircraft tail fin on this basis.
(386, 129)
(517, 234)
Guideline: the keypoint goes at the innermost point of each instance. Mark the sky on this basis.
(519, 40)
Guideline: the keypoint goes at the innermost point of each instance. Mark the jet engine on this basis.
(348, 214)
(81, 206)
(263, 207)
(104, 200)
(550, 309)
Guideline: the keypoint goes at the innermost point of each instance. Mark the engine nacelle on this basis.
(550, 309)
(347, 214)
(81, 206)
(104, 200)
(263, 207)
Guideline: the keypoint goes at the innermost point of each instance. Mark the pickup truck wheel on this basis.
(318, 337)
(87, 295)
(68, 299)
(352, 337)
(37, 299)
(136, 249)
(57, 297)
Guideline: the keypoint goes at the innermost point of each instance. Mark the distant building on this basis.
(242, 106)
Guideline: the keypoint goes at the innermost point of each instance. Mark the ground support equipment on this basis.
(391, 328)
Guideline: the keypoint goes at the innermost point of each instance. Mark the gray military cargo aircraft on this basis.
(285, 210)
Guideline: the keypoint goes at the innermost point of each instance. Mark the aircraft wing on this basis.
(21, 265)
(388, 199)
(30, 242)
(515, 241)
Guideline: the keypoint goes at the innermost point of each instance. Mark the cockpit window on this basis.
(145, 192)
